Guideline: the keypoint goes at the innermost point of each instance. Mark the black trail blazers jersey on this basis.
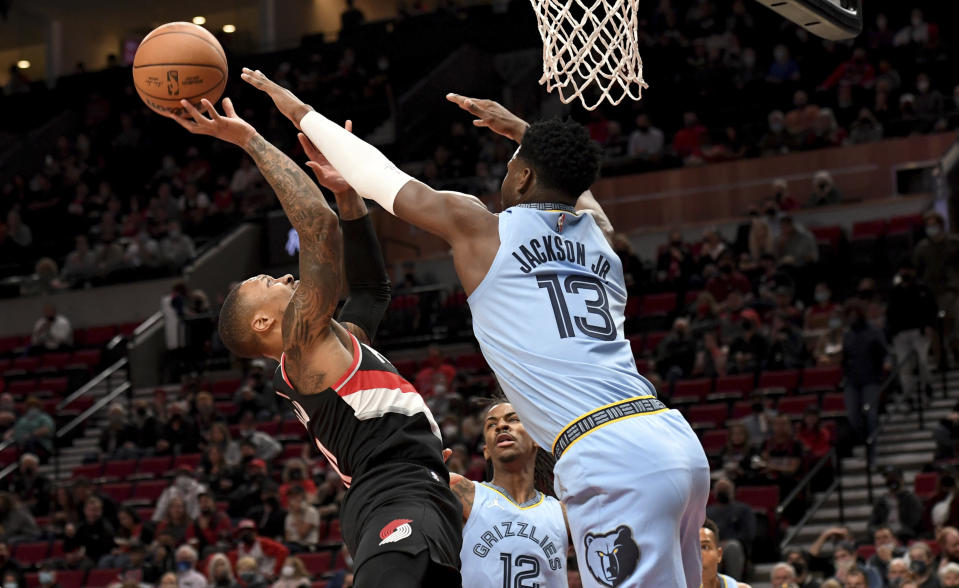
(370, 417)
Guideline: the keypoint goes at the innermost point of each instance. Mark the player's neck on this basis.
(547, 196)
(518, 484)
(712, 582)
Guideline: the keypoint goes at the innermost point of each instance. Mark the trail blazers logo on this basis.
(612, 557)
(173, 82)
(396, 530)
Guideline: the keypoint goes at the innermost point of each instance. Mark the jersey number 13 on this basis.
(597, 305)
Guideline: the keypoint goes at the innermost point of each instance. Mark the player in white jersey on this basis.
(712, 557)
(548, 298)
(514, 533)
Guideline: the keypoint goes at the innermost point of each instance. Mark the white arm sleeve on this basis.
(370, 173)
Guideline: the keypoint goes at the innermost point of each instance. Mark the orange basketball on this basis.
(176, 61)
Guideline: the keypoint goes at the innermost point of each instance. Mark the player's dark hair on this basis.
(545, 462)
(233, 325)
(565, 159)
(712, 526)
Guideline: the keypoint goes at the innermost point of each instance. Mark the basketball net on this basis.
(590, 51)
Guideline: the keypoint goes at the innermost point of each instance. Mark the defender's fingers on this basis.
(208, 106)
(228, 108)
(196, 114)
(348, 126)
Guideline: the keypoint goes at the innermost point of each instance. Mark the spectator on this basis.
(856, 578)
(676, 353)
(47, 576)
(737, 527)
(943, 508)
(910, 322)
(248, 575)
(866, 128)
(922, 566)
(783, 68)
(760, 239)
(187, 576)
(176, 248)
(185, 487)
(728, 279)
(949, 575)
(16, 522)
(674, 264)
(848, 568)
(8, 565)
(33, 431)
(302, 526)
(688, 140)
(748, 352)
(857, 72)
(176, 520)
(437, 375)
(31, 487)
(131, 529)
(814, 437)
(217, 475)
(937, 265)
(118, 439)
(867, 294)
(782, 457)
(824, 190)
(899, 509)
(646, 142)
(168, 580)
(82, 490)
(266, 446)
(888, 548)
(781, 196)
(145, 425)
(296, 473)
(248, 487)
(797, 559)
(206, 414)
(713, 246)
(220, 572)
(211, 527)
(899, 571)
(8, 411)
(946, 434)
(267, 554)
(351, 19)
(929, 102)
(817, 316)
(777, 139)
(803, 116)
(18, 232)
(268, 515)
(52, 332)
(948, 539)
(863, 353)
(782, 574)
(179, 435)
(95, 535)
(796, 246)
(293, 574)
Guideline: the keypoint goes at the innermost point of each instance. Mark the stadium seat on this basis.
(226, 408)
(340, 562)
(22, 387)
(119, 492)
(56, 385)
(121, 470)
(89, 470)
(98, 578)
(658, 304)
(334, 534)
(317, 563)
(472, 362)
(154, 466)
(733, 387)
(71, 578)
(97, 336)
(653, 340)
(55, 360)
(714, 441)
(87, 357)
(865, 229)
(761, 498)
(291, 450)
(831, 235)
(149, 490)
(865, 551)
(271, 428)
(787, 380)
(226, 388)
(821, 378)
(191, 460)
(926, 484)
(27, 364)
(9, 455)
(742, 409)
(145, 513)
(8, 344)
(56, 550)
(30, 554)
(707, 415)
(319, 584)
(127, 329)
(690, 391)
(292, 428)
(406, 368)
(795, 405)
(833, 405)
(636, 344)
(32, 579)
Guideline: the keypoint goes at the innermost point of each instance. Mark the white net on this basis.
(590, 50)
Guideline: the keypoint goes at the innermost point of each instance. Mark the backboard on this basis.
(835, 20)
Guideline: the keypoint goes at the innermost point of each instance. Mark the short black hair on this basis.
(564, 157)
(712, 526)
(233, 325)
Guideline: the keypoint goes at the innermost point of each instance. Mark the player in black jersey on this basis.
(401, 522)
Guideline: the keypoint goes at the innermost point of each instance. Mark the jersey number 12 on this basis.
(598, 306)
(511, 581)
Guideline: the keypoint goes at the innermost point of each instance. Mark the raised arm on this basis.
(307, 319)
(465, 491)
(470, 229)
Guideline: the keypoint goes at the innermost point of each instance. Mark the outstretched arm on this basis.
(307, 319)
(465, 491)
(366, 276)
(470, 229)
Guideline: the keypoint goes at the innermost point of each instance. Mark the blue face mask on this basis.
(45, 577)
(183, 566)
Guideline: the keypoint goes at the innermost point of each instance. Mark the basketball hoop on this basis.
(590, 51)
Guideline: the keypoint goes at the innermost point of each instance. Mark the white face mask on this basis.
(288, 571)
(932, 231)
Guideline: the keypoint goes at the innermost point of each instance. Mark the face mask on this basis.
(822, 296)
(922, 86)
(835, 323)
(722, 497)
(449, 431)
(916, 21)
(248, 577)
(182, 482)
(726, 269)
(747, 325)
(776, 127)
(800, 568)
(248, 540)
(779, 54)
(918, 567)
(182, 566)
(933, 231)
(46, 577)
(893, 486)
(846, 564)
(947, 481)
(866, 294)
(288, 571)
(771, 213)
(9, 585)
(749, 60)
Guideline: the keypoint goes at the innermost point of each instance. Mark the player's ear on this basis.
(262, 321)
(719, 552)
(524, 179)
(485, 452)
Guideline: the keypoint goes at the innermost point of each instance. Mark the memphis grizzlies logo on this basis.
(612, 557)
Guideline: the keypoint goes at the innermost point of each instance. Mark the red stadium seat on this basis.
(472, 361)
(741, 384)
(707, 415)
(89, 470)
(22, 387)
(658, 304)
(98, 336)
(120, 469)
(833, 404)
(188, 459)
(691, 391)
(821, 378)
(128, 328)
(27, 364)
(340, 562)
(406, 367)
(70, 578)
(926, 484)
(868, 229)
(56, 550)
(226, 408)
(636, 344)
(762, 498)
(865, 551)
(145, 513)
(334, 534)
(691, 296)
(714, 440)
(319, 584)
(653, 340)
(55, 360)
(118, 492)
(291, 428)
(795, 405)
(271, 428)
(87, 357)
(99, 578)
(56, 385)
(831, 235)
(226, 388)
(292, 450)
(905, 223)
(149, 490)
(32, 580)
(154, 466)
(10, 343)
(786, 379)
(742, 409)
(317, 563)
(30, 554)
(633, 304)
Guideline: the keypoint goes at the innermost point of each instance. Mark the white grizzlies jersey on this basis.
(549, 319)
(509, 545)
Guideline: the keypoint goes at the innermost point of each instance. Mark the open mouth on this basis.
(505, 440)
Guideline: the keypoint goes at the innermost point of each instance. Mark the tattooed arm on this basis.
(465, 491)
(307, 321)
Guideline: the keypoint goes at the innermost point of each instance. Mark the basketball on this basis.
(176, 61)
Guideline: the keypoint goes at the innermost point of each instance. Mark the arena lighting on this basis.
(23, 64)
(199, 20)
(228, 28)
